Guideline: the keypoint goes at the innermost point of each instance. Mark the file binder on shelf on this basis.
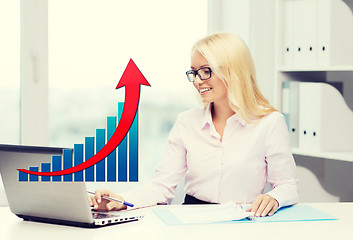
(325, 120)
(334, 33)
(322, 112)
(305, 46)
(290, 109)
(288, 33)
(316, 33)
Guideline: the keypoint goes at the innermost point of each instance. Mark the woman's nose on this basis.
(198, 81)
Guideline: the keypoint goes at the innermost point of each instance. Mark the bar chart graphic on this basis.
(120, 165)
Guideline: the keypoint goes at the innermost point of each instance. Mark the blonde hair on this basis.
(230, 59)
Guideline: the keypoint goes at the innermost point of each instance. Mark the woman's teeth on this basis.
(203, 90)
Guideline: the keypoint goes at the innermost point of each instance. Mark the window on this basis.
(90, 44)
(10, 72)
(9, 77)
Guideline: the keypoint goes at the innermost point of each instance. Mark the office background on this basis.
(61, 60)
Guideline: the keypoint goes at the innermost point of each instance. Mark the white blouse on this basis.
(234, 169)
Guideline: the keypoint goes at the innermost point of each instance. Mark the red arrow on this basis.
(132, 78)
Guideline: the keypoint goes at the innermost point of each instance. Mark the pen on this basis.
(114, 199)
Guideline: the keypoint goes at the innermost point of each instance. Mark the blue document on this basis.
(297, 213)
(286, 214)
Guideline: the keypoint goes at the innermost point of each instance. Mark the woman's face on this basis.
(212, 89)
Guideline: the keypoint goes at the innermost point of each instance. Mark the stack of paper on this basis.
(189, 214)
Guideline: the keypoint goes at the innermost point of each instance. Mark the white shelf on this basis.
(341, 156)
(310, 49)
(341, 68)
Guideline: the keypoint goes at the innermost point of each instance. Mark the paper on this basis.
(228, 211)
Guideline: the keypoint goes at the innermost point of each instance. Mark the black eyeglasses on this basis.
(203, 73)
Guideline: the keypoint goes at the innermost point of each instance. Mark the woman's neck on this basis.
(221, 112)
(220, 115)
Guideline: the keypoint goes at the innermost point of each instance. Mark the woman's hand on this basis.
(100, 204)
(264, 205)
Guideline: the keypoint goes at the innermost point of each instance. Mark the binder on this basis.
(305, 32)
(309, 51)
(317, 33)
(288, 33)
(299, 38)
(290, 109)
(325, 120)
(334, 33)
(310, 116)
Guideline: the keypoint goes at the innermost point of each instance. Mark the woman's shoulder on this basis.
(191, 114)
(186, 121)
(274, 117)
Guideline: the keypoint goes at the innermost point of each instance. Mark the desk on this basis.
(151, 227)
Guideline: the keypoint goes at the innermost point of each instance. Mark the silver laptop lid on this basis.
(56, 200)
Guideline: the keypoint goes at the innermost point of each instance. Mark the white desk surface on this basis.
(151, 227)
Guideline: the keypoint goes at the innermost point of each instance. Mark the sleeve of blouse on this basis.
(281, 168)
(161, 187)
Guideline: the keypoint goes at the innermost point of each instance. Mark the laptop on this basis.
(51, 202)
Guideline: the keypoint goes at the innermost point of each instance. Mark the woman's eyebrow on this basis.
(205, 65)
(202, 66)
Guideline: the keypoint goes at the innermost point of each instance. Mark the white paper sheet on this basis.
(208, 214)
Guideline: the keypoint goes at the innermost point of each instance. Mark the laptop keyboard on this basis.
(102, 215)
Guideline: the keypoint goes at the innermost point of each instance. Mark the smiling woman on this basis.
(234, 137)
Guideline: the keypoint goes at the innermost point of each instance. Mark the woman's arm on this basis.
(161, 187)
(281, 169)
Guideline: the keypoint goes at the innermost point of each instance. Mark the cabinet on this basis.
(314, 75)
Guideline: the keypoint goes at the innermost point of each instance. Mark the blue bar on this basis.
(56, 166)
(33, 178)
(122, 151)
(22, 177)
(111, 159)
(78, 159)
(89, 152)
(45, 167)
(133, 150)
(67, 162)
(100, 166)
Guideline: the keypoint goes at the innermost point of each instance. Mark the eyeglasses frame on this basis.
(196, 72)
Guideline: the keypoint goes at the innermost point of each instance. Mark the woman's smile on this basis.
(204, 90)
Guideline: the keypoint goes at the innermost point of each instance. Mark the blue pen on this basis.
(114, 199)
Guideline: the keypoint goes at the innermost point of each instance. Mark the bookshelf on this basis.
(314, 44)
(342, 68)
(341, 156)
